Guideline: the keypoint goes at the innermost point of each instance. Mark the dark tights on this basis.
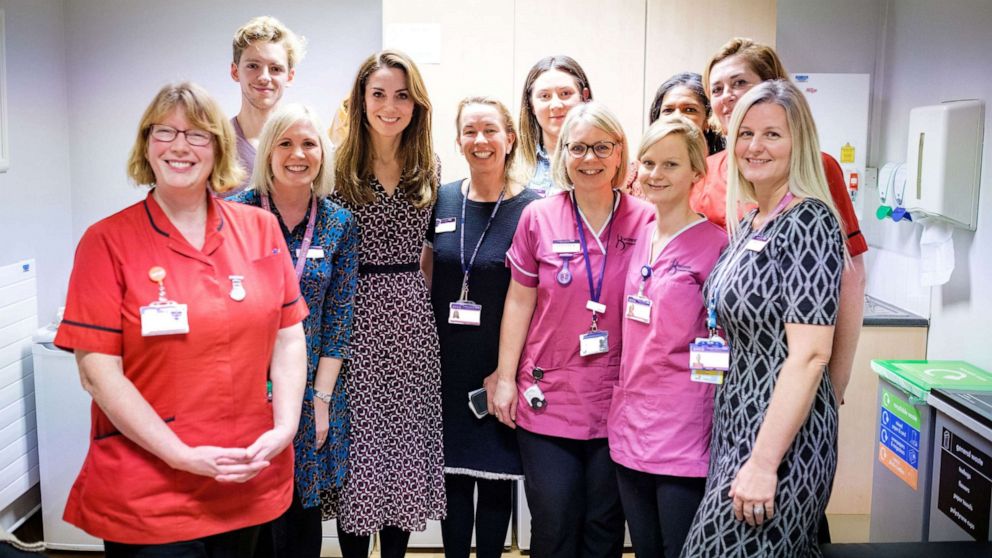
(490, 517)
(392, 543)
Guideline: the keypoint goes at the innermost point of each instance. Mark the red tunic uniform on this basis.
(209, 385)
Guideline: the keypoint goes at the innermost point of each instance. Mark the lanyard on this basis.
(594, 292)
(711, 322)
(467, 269)
(301, 260)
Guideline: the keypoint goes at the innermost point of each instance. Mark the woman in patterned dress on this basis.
(775, 291)
(292, 179)
(387, 176)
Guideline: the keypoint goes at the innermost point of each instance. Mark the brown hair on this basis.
(761, 58)
(353, 159)
(270, 30)
(202, 112)
(508, 126)
(530, 130)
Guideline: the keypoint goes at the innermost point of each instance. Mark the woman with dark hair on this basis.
(685, 95)
(386, 175)
(554, 85)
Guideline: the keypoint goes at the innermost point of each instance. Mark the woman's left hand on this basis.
(322, 418)
(270, 443)
(753, 493)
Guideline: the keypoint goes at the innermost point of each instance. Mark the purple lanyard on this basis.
(467, 269)
(788, 197)
(594, 293)
(301, 260)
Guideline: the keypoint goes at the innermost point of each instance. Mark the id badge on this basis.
(164, 319)
(565, 246)
(444, 225)
(314, 253)
(465, 312)
(594, 343)
(756, 244)
(707, 376)
(709, 354)
(638, 309)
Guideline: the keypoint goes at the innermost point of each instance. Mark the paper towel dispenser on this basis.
(944, 161)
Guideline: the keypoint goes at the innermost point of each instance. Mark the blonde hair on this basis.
(677, 125)
(508, 127)
(353, 161)
(599, 116)
(530, 130)
(201, 111)
(281, 120)
(806, 176)
(269, 30)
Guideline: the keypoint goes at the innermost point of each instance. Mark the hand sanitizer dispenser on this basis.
(944, 161)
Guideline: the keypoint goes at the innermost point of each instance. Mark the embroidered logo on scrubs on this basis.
(676, 267)
(623, 242)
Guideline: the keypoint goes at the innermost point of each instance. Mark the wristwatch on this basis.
(325, 397)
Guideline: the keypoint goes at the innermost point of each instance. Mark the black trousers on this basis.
(571, 488)
(490, 517)
(233, 544)
(294, 534)
(392, 543)
(659, 510)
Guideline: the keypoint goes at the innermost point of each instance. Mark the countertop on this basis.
(878, 313)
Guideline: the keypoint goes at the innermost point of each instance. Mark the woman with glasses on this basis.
(293, 177)
(554, 85)
(661, 412)
(474, 222)
(559, 353)
(386, 175)
(181, 309)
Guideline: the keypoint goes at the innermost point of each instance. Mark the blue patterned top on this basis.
(542, 182)
(328, 285)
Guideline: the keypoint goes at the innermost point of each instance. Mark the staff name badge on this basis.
(167, 318)
(595, 307)
(638, 309)
(708, 360)
(565, 246)
(594, 343)
(314, 253)
(465, 312)
(756, 244)
(445, 225)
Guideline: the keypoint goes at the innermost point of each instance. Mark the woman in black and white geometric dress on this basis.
(776, 287)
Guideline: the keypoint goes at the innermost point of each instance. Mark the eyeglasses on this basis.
(601, 149)
(161, 132)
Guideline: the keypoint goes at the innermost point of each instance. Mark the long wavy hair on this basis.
(353, 159)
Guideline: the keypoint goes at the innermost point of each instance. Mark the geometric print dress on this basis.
(393, 376)
(794, 279)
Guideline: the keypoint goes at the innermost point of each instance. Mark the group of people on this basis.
(664, 341)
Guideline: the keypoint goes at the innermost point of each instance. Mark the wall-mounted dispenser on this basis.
(944, 161)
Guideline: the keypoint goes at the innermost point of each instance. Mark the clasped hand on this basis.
(234, 464)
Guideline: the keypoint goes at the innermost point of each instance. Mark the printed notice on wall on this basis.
(964, 492)
(421, 41)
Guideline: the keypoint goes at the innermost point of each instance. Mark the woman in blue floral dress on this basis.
(292, 181)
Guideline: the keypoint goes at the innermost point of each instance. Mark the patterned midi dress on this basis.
(393, 381)
(794, 279)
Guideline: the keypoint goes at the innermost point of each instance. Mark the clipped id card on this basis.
(445, 225)
(594, 343)
(756, 244)
(313, 253)
(709, 354)
(465, 312)
(164, 319)
(638, 309)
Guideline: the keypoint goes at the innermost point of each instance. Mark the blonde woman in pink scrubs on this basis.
(661, 414)
(559, 354)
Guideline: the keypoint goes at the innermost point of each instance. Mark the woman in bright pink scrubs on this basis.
(660, 416)
(560, 338)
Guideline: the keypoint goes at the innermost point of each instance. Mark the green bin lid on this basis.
(918, 377)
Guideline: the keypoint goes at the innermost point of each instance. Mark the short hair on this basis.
(677, 125)
(599, 116)
(353, 160)
(530, 129)
(806, 175)
(270, 30)
(694, 83)
(203, 112)
(281, 120)
(508, 126)
(761, 58)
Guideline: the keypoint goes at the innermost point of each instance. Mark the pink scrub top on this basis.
(577, 388)
(660, 420)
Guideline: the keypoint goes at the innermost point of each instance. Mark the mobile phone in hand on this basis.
(477, 402)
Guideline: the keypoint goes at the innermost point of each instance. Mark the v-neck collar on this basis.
(596, 234)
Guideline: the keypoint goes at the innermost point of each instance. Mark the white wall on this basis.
(120, 52)
(35, 216)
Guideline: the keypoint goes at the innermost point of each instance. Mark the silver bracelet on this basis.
(325, 397)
